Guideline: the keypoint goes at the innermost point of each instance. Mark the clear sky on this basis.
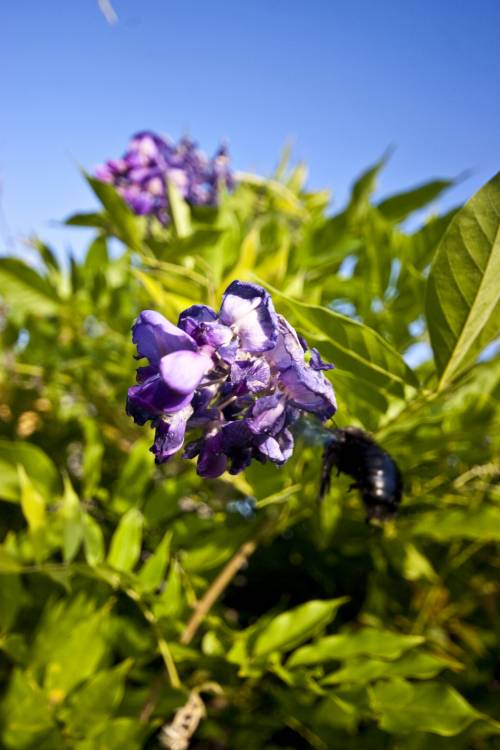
(342, 80)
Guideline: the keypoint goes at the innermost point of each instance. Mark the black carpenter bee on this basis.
(377, 475)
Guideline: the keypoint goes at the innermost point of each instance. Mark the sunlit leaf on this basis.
(463, 299)
(291, 628)
(125, 546)
(25, 290)
(398, 207)
(435, 707)
(369, 641)
(37, 465)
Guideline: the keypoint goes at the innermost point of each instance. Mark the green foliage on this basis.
(332, 634)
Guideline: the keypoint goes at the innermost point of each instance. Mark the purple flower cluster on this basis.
(152, 162)
(236, 380)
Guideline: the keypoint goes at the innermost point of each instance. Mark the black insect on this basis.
(377, 475)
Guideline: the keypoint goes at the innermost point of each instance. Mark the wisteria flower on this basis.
(151, 163)
(233, 381)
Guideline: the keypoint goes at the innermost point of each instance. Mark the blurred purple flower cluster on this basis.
(236, 381)
(152, 162)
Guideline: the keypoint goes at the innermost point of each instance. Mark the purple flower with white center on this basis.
(248, 309)
(151, 163)
(240, 377)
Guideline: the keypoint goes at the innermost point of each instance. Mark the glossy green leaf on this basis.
(463, 298)
(405, 707)
(126, 541)
(368, 641)
(287, 630)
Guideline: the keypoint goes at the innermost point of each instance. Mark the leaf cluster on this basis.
(333, 633)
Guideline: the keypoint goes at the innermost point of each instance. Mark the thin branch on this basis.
(215, 590)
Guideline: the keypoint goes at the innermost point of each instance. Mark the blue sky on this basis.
(341, 80)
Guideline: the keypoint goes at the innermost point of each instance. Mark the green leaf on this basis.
(398, 207)
(459, 523)
(98, 698)
(8, 564)
(88, 220)
(25, 290)
(126, 541)
(134, 476)
(27, 714)
(290, 628)
(12, 596)
(179, 209)
(405, 707)
(463, 301)
(126, 223)
(93, 541)
(368, 641)
(416, 664)
(123, 732)
(69, 644)
(351, 346)
(363, 189)
(37, 465)
(97, 257)
(72, 522)
(170, 603)
(152, 573)
(32, 502)
(92, 457)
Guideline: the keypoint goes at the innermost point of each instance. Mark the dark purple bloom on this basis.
(240, 377)
(151, 163)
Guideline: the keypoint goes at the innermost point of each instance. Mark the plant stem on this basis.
(216, 589)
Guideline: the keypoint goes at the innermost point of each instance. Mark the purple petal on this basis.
(229, 352)
(152, 398)
(182, 371)
(268, 415)
(212, 461)
(248, 308)
(309, 390)
(277, 449)
(155, 336)
(271, 450)
(317, 363)
(288, 349)
(190, 319)
(147, 145)
(169, 435)
(251, 376)
(139, 201)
